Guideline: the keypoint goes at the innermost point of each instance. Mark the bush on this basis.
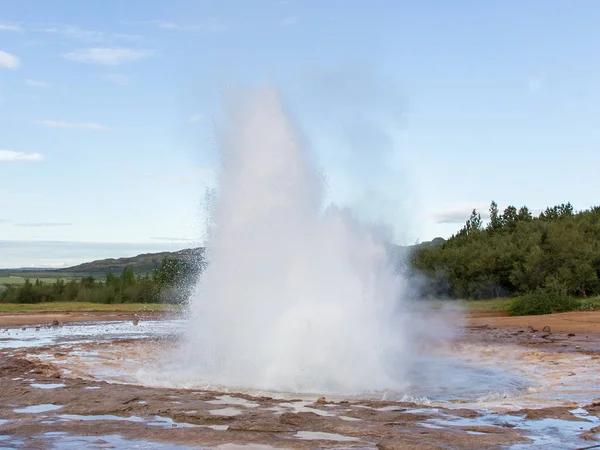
(542, 302)
(590, 304)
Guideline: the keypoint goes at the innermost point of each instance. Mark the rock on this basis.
(321, 400)
(531, 329)
(547, 329)
(300, 420)
(37, 328)
(571, 334)
(135, 321)
(55, 323)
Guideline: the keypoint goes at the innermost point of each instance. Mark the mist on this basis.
(299, 295)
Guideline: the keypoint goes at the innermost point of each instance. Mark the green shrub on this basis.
(590, 304)
(542, 302)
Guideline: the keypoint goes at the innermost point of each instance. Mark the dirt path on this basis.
(23, 319)
(579, 322)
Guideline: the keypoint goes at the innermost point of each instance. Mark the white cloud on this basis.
(39, 84)
(83, 34)
(118, 78)
(10, 27)
(535, 84)
(107, 56)
(85, 125)
(460, 212)
(9, 61)
(196, 118)
(13, 156)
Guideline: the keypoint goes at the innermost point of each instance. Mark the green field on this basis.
(86, 307)
(21, 280)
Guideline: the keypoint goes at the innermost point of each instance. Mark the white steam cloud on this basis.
(295, 298)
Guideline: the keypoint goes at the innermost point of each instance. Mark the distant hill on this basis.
(141, 264)
(147, 262)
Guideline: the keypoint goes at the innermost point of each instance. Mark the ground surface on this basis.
(68, 312)
(47, 402)
(571, 322)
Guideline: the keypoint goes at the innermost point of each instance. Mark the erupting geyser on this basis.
(297, 297)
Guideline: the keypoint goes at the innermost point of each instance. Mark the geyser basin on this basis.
(566, 381)
(451, 374)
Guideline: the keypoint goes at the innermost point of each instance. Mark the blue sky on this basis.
(416, 111)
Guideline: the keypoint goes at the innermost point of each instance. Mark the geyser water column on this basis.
(297, 297)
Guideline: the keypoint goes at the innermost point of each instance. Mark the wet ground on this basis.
(79, 386)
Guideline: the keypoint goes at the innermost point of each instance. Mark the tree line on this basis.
(516, 254)
(172, 282)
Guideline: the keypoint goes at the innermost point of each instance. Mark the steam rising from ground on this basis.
(298, 296)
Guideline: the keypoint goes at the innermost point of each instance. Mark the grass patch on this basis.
(56, 307)
(491, 305)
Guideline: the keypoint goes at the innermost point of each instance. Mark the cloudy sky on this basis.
(416, 111)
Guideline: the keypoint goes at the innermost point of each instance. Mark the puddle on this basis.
(167, 422)
(34, 409)
(3, 421)
(298, 407)
(545, 433)
(89, 332)
(102, 417)
(6, 439)
(156, 421)
(318, 435)
(228, 400)
(243, 447)
(217, 427)
(70, 442)
(47, 385)
(89, 388)
(228, 412)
